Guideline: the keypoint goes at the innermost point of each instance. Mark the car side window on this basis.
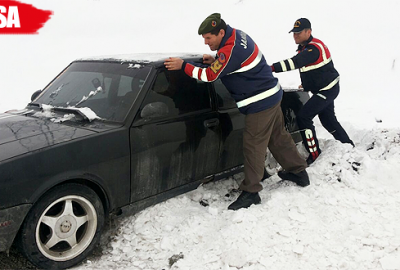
(224, 98)
(180, 93)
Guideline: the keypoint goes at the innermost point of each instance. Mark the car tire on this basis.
(63, 227)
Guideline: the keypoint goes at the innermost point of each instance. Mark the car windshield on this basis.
(108, 89)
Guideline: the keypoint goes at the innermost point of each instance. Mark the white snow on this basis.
(48, 113)
(91, 94)
(140, 57)
(348, 218)
(91, 115)
(66, 117)
(331, 224)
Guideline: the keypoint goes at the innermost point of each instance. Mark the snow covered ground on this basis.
(348, 218)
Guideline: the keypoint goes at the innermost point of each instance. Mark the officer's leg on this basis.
(304, 120)
(328, 118)
(256, 135)
(285, 152)
(283, 147)
(330, 123)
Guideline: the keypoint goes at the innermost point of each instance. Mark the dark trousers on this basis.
(266, 129)
(321, 104)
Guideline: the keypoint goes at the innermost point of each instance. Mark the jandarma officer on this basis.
(243, 70)
(319, 76)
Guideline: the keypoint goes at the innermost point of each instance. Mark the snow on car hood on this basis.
(86, 112)
(22, 134)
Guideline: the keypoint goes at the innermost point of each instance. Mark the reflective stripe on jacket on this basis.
(323, 59)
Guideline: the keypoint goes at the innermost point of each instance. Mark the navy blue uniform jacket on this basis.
(243, 70)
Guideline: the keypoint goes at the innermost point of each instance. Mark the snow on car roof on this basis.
(140, 57)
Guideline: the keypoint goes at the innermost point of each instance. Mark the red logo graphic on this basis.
(20, 18)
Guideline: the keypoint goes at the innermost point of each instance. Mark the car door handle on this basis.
(211, 122)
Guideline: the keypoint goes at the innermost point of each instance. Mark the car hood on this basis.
(20, 134)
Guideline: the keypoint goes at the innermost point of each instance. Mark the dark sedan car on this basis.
(107, 137)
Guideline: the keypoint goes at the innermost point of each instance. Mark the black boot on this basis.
(266, 175)
(310, 160)
(310, 142)
(244, 200)
(312, 157)
(300, 178)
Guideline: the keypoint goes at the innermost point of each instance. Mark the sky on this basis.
(351, 224)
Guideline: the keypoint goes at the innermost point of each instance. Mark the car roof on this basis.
(155, 59)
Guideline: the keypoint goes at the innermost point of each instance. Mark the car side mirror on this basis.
(35, 94)
(154, 110)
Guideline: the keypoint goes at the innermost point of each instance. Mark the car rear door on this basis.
(175, 137)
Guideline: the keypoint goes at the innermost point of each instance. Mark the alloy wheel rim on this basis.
(66, 228)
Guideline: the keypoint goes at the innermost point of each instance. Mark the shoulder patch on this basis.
(216, 65)
(222, 58)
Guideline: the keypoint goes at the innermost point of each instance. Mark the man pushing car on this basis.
(319, 76)
(243, 70)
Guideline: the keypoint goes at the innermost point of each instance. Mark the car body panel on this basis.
(169, 154)
(21, 134)
(10, 222)
(89, 158)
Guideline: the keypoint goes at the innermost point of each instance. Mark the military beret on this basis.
(210, 23)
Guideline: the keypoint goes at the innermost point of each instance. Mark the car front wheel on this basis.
(63, 227)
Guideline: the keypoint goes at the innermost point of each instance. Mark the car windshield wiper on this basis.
(73, 110)
(34, 104)
(85, 113)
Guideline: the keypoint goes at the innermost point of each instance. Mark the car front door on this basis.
(232, 126)
(175, 137)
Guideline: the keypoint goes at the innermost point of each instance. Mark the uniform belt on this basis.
(259, 97)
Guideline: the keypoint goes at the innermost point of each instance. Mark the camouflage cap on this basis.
(210, 23)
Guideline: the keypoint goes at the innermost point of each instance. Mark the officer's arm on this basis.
(222, 65)
(304, 58)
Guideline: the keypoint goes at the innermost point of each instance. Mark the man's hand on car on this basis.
(208, 59)
(173, 63)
